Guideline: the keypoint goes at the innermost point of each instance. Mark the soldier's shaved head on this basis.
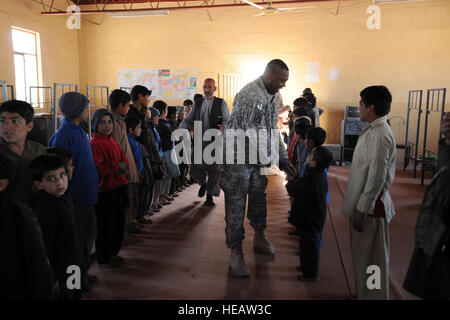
(275, 75)
(276, 66)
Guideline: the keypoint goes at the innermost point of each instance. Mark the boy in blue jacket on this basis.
(133, 125)
(84, 184)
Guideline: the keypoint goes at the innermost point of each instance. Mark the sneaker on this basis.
(163, 202)
(145, 221)
(167, 197)
(202, 191)
(173, 195)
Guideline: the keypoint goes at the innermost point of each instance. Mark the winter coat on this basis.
(25, 268)
(165, 132)
(57, 218)
(428, 274)
(84, 184)
(107, 155)
(146, 138)
(309, 208)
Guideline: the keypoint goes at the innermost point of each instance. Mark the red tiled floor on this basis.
(184, 255)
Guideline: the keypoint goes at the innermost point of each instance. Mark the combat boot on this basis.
(237, 263)
(261, 245)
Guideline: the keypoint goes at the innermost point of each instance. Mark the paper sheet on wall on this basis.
(334, 74)
(312, 72)
(164, 83)
(176, 84)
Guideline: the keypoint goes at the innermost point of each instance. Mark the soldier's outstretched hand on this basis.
(287, 167)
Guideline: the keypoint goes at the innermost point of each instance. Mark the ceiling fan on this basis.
(269, 10)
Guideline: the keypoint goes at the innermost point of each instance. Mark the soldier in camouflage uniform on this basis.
(255, 107)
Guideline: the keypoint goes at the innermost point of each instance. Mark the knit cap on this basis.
(154, 112)
(72, 105)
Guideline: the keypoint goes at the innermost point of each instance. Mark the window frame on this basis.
(36, 104)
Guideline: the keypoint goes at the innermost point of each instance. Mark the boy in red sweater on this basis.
(112, 168)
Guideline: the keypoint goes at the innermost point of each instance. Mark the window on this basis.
(27, 64)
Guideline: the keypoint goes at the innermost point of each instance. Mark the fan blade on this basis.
(296, 8)
(259, 14)
(253, 4)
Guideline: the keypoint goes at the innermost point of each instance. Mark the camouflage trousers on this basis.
(240, 182)
(208, 174)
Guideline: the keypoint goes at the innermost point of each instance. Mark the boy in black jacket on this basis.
(26, 272)
(55, 210)
(310, 192)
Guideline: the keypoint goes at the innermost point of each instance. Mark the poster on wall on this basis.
(146, 77)
(176, 84)
(165, 83)
(312, 72)
(334, 74)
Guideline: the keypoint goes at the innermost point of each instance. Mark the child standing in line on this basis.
(27, 274)
(16, 121)
(120, 101)
(84, 184)
(300, 127)
(56, 213)
(314, 137)
(67, 157)
(134, 130)
(158, 170)
(310, 192)
(112, 167)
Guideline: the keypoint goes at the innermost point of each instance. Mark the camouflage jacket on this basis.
(255, 109)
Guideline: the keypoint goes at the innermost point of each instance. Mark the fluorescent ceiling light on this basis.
(394, 1)
(143, 13)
